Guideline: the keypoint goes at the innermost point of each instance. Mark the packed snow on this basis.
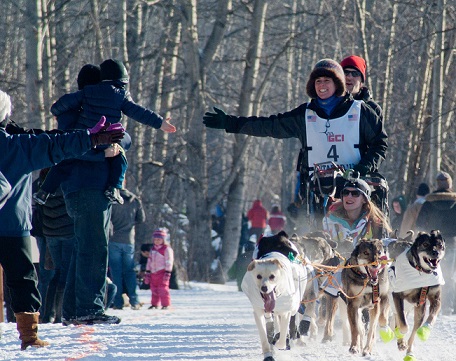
(205, 322)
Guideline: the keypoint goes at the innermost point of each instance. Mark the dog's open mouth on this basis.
(431, 262)
(373, 274)
(269, 301)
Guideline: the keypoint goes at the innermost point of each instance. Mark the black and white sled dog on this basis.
(415, 278)
(275, 286)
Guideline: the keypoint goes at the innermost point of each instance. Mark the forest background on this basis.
(248, 57)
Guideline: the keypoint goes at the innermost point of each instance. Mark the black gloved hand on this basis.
(107, 137)
(215, 120)
(361, 169)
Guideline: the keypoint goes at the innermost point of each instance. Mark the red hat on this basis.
(356, 62)
(160, 233)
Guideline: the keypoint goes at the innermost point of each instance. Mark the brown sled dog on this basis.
(364, 285)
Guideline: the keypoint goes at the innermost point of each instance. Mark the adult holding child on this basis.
(86, 196)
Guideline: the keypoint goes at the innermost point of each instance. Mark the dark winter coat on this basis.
(5, 189)
(365, 95)
(56, 221)
(125, 217)
(292, 124)
(106, 99)
(21, 154)
(439, 212)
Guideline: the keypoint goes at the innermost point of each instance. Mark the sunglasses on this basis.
(355, 193)
(353, 73)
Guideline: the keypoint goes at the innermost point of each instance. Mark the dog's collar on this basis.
(356, 270)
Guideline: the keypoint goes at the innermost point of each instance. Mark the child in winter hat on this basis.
(159, 267)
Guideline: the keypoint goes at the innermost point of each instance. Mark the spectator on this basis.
(85, 193)
(28, 153)
(277, 219)
(239, 267)
(45, 268)
(58, 230)
(124, 218)
(439, 212)
(399, 206)
(159, 268)
(258, 218)
(412, 211)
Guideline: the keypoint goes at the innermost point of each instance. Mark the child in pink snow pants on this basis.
(158, 269)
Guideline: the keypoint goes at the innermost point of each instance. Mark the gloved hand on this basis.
(350, 174)
(215, 120)
(103, 126)
(166, 276)
(362, 169)
(106, 137)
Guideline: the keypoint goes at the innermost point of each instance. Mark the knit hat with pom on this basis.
(328, 68)
(160, 233)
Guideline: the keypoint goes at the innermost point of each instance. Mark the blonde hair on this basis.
(369, 208)
(5, 105)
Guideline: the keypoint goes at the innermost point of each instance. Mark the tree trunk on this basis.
(236, 195)
(33, 65)
(199, 235)
(437, 94)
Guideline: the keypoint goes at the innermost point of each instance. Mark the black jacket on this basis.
(365, 95)
(56, 221)
(292, 124)
(125, 216)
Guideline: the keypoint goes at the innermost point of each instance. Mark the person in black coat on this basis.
(439, 213)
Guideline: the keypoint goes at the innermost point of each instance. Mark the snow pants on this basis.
(159, 285)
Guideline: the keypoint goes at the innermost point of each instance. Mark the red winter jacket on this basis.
(258, 215)
(277, 221)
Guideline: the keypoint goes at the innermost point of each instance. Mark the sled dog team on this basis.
(288, 276)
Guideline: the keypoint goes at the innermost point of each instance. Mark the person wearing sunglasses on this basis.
(355, 216)
(355, 77)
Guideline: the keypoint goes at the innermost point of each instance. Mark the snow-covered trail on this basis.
(206, 322)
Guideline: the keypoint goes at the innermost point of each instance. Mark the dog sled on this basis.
(322, 187)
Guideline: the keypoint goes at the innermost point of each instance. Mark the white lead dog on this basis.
(275, 285)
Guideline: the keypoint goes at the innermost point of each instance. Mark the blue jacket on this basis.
(106, 99)
(20, 155)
